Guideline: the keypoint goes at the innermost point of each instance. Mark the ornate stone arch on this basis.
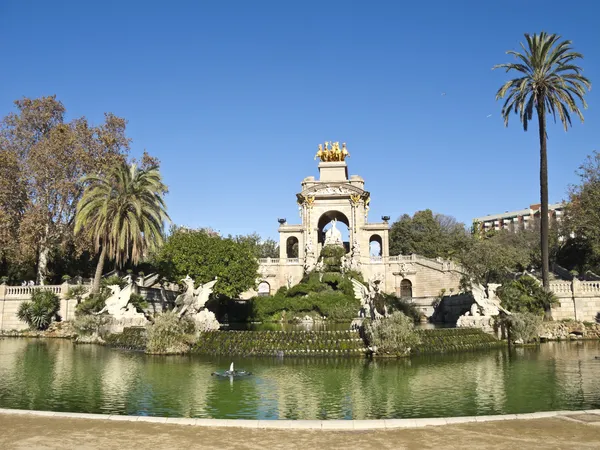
(264, 288)
(327, 217)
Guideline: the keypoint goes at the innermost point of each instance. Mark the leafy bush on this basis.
(393, 304)
(525, 295)
(393, 335)
(76, 292)
(525, 326)
(138, 301)
(93, 304)
(170, 335)
(112, 280)
(41, 310)
(334, 305)
(91, 325)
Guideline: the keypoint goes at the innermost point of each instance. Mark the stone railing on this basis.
(397, 258)
(561, 287)
(588, 287)
(376, 259)
(276, 261)
(26, 291)
(268, 260)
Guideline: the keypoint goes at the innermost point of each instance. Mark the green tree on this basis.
(492, 258)
(203, 257)
(123, 212)
(427, 234)
(263, 248)
(582, 215)
(548, 81)
(43, 158)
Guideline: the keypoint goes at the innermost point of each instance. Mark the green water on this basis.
(59, 376)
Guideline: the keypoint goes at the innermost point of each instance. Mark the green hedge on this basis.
(132, 338)
(274, 343)
(445, 340)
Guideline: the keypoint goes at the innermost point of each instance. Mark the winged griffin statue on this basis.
(366, 295)
(193, 300)
(118, 306)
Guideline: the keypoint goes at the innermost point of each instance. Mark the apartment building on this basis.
(517, 220)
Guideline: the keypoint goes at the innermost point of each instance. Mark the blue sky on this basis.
(234, 97)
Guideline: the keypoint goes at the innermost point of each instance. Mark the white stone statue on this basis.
(116, 305)
(482, 311)
(366, 295)
(192, 303)
(193, 300)
(309, 246)
(333, 236)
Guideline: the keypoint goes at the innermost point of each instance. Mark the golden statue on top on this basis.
(333, 153)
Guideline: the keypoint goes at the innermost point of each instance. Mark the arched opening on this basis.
(405, 289)
(341, 223)
(375, 246)
(264, 289)
(291, 247)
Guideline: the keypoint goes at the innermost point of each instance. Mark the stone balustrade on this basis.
(560, 287)
(20, 291)
(588, 287)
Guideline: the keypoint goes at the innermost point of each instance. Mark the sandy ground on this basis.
(22, 432)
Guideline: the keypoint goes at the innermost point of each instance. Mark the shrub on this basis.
(112, 280)
(138, 301)
(524, 326)
(41, 310)
(393, 335)
(93, 304)
(393, 304)
(170, 335)
(76, 292)
(525, 295)
(91, 325)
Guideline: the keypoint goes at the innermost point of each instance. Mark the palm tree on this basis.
(549, 81)
(123, 212)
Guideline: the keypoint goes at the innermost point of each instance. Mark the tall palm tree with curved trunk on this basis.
(548, 81)
(123, 212)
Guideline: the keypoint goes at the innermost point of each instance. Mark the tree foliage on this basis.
(427, 234)
(582, 214)
(263, 248)
(492, 258)
(42, 158)
(203, 257)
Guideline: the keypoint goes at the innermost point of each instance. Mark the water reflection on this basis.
(56, 375)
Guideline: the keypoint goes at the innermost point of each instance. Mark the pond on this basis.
(59, 376)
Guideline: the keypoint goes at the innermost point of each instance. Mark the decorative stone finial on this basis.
(332, 154)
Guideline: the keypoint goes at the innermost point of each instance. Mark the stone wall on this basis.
(11, 298)
(579, 300)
